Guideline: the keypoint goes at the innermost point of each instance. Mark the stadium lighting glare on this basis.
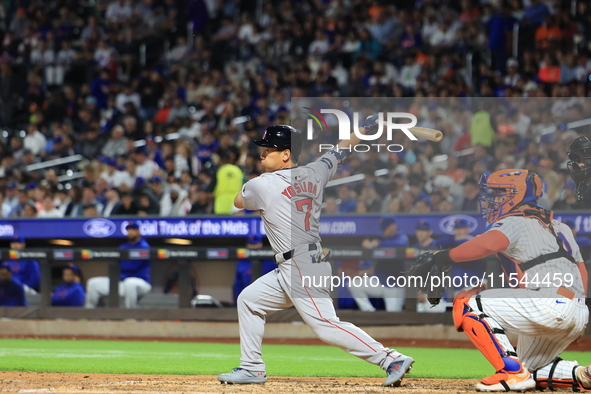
(178, 241)
(62, 242)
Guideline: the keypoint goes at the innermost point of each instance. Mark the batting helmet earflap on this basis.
(282, 137)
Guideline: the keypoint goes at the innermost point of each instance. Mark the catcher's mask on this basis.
(579, 164)
(506, 189)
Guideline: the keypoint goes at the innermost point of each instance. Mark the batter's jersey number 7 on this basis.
(301, 205)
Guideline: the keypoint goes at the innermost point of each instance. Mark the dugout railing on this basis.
(184, 258)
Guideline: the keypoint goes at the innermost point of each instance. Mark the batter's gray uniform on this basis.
(290, 203)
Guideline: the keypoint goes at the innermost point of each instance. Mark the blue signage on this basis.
(241, 226)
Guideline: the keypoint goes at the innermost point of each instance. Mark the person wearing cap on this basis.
(26, 272)
(11, 195)
(393, 296)
(112, 175)
(471, 194)
(146, 167)
(134, 274)
(512, 78)
(582, 240)
(70, 292)
(229, 181)
(390, 235)
(12, 292)
(243, 276)
(461, 235)
(157, 189)
(423, 234)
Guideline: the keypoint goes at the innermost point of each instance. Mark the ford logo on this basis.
(99, 228)
(447, 224)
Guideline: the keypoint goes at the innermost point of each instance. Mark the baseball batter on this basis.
(546, 308)
(289, 198)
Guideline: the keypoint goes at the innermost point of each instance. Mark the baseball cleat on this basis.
(397, 369)
(508, 381)
(242, 376)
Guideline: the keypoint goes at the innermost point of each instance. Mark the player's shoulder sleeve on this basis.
(255, 193)
(326, 165)
(512, 227)
(568, 240)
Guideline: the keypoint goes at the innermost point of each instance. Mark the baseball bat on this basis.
(426, 133)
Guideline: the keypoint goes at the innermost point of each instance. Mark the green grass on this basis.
(212, 358)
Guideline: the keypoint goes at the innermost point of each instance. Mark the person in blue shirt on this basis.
(390, 235)
(423, 233)
(134, 277)
(243, 276)
(393, 296)
(26, 272)
(12, 292)
(461, 235)
(71, 292)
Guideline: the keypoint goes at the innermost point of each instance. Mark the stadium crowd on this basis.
(161, 98)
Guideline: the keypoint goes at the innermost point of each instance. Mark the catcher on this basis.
(546, 311)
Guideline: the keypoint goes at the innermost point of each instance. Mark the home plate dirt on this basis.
(28, 382)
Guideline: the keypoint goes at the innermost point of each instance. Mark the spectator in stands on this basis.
(134, 277)
(229, 181)
(89, 199)
(70, 292)
(113, 205)
(12, 292)
(471, 201)
(179, 202)
(128, 205)
(26, 272)
(49, 209)
(117, 144)
(35, 141)
(146, 167)
(348, 202)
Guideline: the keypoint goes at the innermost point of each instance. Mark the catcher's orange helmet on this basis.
(506, 189)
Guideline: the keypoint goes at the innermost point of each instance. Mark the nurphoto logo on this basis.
(387, 121)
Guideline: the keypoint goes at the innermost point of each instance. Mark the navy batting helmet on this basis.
(282, 137)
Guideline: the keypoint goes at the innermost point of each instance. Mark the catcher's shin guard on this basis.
(563, 374)
(484, 337)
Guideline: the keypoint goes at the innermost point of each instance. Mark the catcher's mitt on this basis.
(431, 264)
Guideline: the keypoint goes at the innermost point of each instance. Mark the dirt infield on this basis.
(27, 382)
